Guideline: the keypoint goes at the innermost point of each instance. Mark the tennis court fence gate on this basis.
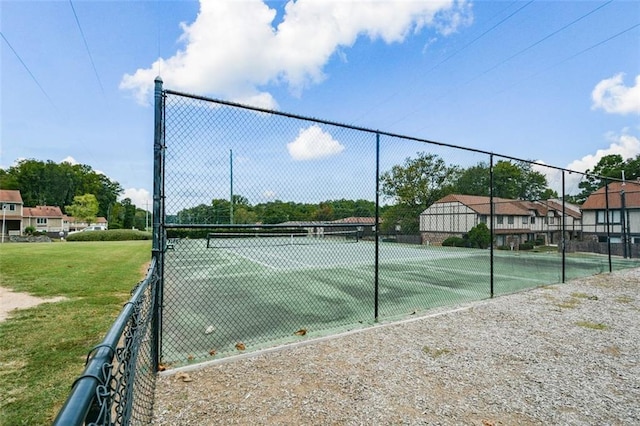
(222, 175)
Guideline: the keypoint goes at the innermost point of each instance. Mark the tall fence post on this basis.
(158, 216)
(606, 218)
(564, 232)
(377, 230)
(491, 219)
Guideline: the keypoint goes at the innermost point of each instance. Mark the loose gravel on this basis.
(564, 354)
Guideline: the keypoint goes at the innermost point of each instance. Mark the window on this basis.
(483, 218)
(500, 219)
(41, 221)
(533, 220)
(552, 220)
(525, 220)
(510, 220)
(614, 216)
(12, 207)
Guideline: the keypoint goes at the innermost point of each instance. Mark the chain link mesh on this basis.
(257, 205)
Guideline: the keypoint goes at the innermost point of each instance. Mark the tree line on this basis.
(407, 189)
(77, 189)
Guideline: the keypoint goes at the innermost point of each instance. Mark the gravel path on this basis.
(564, 354)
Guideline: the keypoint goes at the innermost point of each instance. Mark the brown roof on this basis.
(596, 201)
(42, 211)
(481, 205)
(569, 210)
(10, 196)
(504, 206)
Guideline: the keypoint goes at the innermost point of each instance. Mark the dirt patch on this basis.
(11, 300)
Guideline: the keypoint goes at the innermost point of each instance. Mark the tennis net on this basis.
(222, 239)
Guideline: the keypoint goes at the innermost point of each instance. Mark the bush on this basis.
(503, 248)
(110, 235)
(30, 230)
(539, 241)
(479, 236)
(454, 242)
(526, 246)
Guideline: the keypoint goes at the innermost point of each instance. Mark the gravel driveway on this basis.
(563, 354)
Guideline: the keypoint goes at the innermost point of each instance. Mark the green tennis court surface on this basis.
(261, 295)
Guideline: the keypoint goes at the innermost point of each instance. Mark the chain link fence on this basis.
(280, 227)
(117, 386)
(271, 228)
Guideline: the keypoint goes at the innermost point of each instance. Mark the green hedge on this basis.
(110, 235)
(454, 242)
(526, 246)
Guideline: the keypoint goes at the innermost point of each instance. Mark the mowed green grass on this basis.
(43, 349)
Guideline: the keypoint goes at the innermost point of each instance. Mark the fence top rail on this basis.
(377, 132)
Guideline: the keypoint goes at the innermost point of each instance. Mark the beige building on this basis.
(514, 221)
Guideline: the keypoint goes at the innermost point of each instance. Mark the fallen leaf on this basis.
(301, 332)
(184, 377)
(210, 330)
(162, 367)
(212, 352)
(240, 346)
(190, 357)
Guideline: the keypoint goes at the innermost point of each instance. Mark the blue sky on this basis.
(554, 81)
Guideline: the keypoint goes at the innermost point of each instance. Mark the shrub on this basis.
(110, 235)
(454, 242)
(30, 230)
(526, 246)
(539, 241)
(479, 236)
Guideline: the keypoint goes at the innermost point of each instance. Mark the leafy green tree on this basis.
(419, 181)
(53, 184)
(479, 236)
(609, 166)
(514, 180)
(84, 208)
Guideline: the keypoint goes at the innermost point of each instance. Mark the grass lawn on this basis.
(43, 349)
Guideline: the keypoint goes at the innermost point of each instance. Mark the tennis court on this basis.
(262, 293)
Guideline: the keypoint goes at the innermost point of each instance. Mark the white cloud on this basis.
(626, 145)
(232, 48)
(313, 143)
(614, 97)
(69, 159)
(140, 197)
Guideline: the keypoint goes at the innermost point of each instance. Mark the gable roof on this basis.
(597, 201)
(507, 207)
(481, 204)
(10, 196)
(42, 211)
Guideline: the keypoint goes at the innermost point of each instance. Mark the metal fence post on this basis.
(377, 229)
(606, 218)
(491, 230)
(158, 216)
(564, 232)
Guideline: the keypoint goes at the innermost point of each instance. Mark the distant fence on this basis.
(117, 386)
